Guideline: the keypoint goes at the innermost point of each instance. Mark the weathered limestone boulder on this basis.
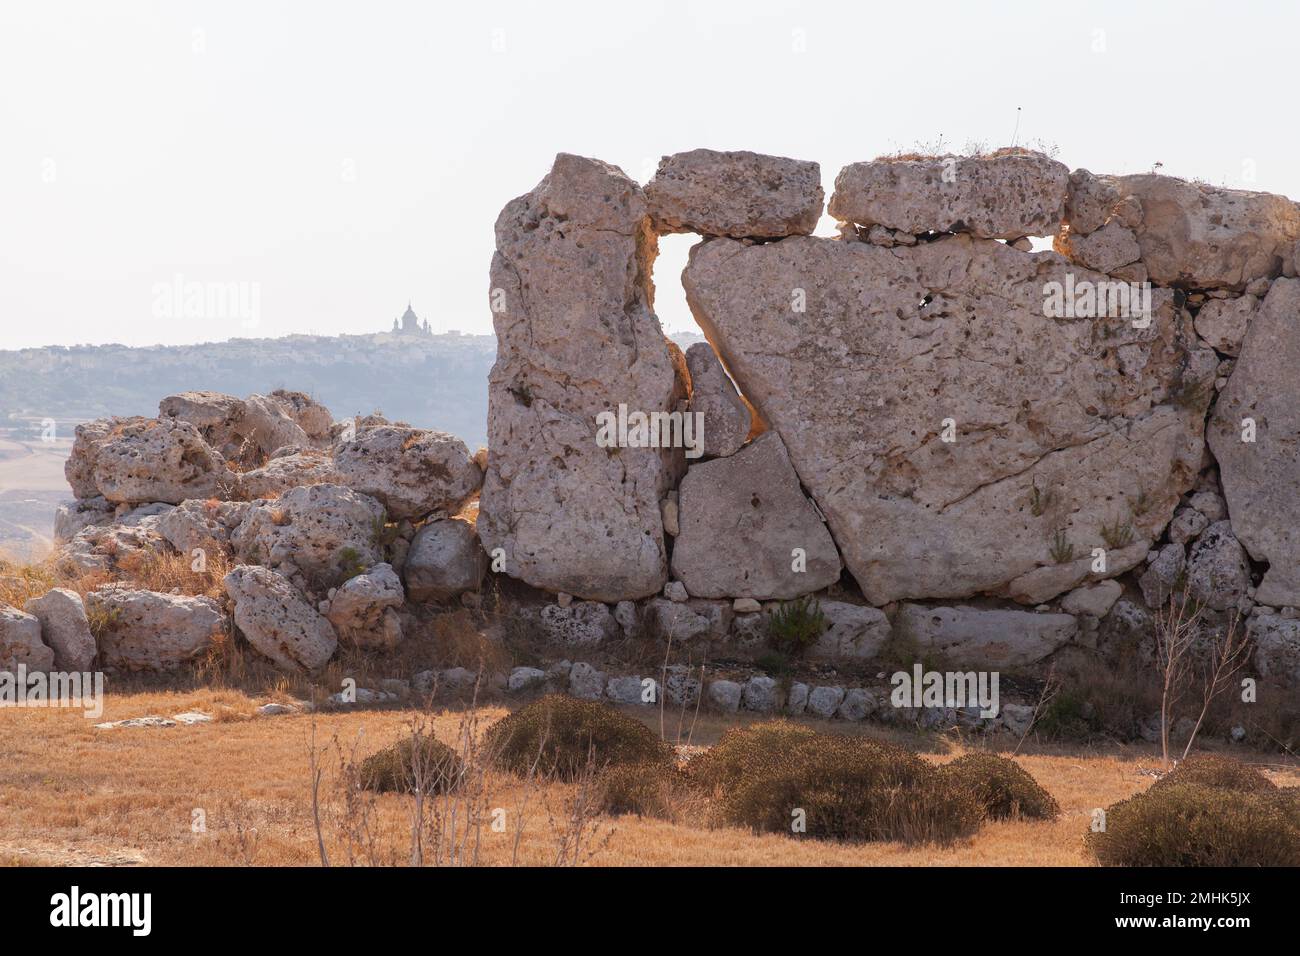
(78, 515)
(576, 337)
(991, 637)
(267, 424)
(204, 525)
(65, 628)
(412, 471)
(20, 642)
(857, 704)
(1218, 573)
(525, 678)
(1002, 196)
(1261, 478)
(326, 531)
(79, 469)
(278, 475)
(587, 682)
(1277, 647)
(445, 559)
(736, 194)
(759, 695)
(1163, 574)
(1105, 250)
(958, 439)
(724, 696)
(582, 622)
(825, 701)
(1223, 322)
(678, 622)
(727, 419)
(855, 631)
(1202, 236)
(276, 620)
(625, 690)
(214, 414)
(310, 415)
(1095, 600)
(1187, 524)
(747, 530)
(106, 547)
(364, 609)
(148, 631)
(144, 460)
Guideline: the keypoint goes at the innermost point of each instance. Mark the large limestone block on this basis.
(79, 469)
(1001, 196)
(737, 194)
(364, 608)
(312, 417)
(149, 631)
(1223, 322)
(277, 621)
(725, 418)
(266, 423)
(1203, 236)
(20, 642)
(1261, 478)
(576, 337)
(144, 460)
(413, 471)
(1277, 647)
(744, 520)
(979, 637)
(1069, 433)
(64, 627)
(326, 531)
(310, 467)
(445, 559)
(215, 414)
(854, 631)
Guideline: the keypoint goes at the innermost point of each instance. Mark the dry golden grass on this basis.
(72, 794)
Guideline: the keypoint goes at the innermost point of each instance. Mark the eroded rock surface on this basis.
(278, 621)
(64, 628)
(737, 194)
(726, 418)
(748, 530)
(1069, 434)
(20, 642)
(144, 460)
(970, 636)
(412, 471)
(445, 559)
(325, 531)
(148, 631)
(1261, 478)
(1001, 196)
(576, 337)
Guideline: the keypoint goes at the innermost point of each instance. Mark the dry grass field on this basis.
(74, 794)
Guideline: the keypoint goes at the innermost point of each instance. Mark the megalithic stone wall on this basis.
(970, 418)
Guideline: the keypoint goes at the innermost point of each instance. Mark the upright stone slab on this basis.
(1068, 434)
(572, 299)
(1261, 477)
(747, 530)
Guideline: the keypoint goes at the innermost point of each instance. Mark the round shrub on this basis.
(1216, 770)
(849, 788)
(424, 760)
(1001, 786)
(1185, 824)
(564, 736)
(644, 789)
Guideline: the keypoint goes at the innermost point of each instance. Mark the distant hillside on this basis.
(434, 382)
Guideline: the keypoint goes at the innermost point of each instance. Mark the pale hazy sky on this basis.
(336, 159)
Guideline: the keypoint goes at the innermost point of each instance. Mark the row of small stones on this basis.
(758, 694)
